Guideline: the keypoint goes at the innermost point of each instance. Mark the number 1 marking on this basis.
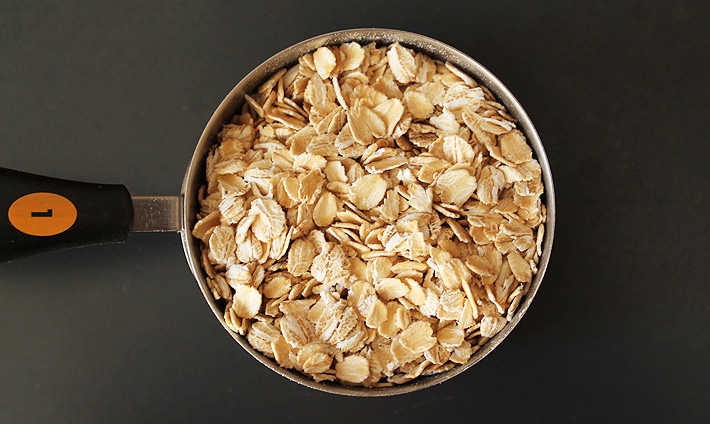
(47, 214)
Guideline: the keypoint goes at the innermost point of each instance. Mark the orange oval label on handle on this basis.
(42, 214)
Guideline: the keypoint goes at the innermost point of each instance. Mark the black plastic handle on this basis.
(43, 214)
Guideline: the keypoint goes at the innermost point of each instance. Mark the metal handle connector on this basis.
(157, 213)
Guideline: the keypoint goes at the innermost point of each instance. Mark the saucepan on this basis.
(45, 214)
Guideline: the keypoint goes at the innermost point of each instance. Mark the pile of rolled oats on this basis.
(371, 215)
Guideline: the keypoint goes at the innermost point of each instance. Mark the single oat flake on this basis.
(370, 216)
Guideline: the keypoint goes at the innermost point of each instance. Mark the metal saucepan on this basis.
(47, 214)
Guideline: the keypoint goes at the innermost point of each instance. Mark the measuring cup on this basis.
(45, 214)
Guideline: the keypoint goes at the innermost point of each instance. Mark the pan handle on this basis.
(43, 214)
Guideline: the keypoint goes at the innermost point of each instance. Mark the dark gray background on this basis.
(618, 90)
